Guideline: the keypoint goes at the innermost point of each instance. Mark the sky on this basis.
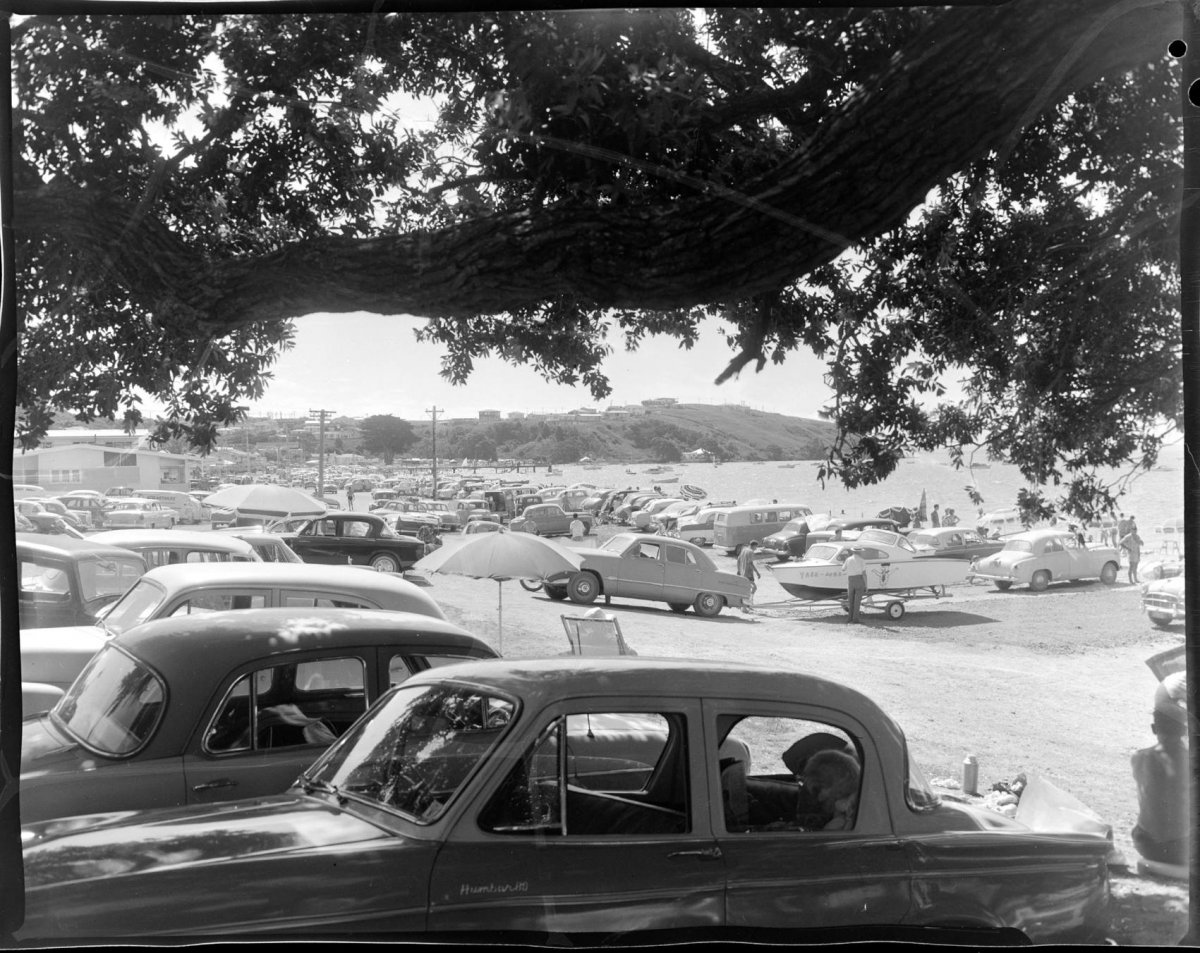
(361, 364)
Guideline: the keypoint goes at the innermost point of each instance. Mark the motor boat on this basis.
(893, 566)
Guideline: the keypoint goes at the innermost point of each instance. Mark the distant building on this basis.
(489, 415)
(636, 410)
(616, 412)
(82, 466)
(516, 415)
(660, 402)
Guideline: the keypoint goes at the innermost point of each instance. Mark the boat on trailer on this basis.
(893, 567)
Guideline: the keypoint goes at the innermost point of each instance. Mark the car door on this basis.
(641, 572)
(784, 868)
(271, 721)
(49, 593)
(682, 576)
(1054, 558)
(317, 542)
(357, 540)
(598, 823)
(1081, 563)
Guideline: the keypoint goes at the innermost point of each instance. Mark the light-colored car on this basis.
(640, 519)
(482, 526)
(1163, 600)
(137, 512)
(1039, 557)
(271, 548)
(596, 800)
(254, 697)
(657, 568)
(698, 529)
(187, 508)
(548, 519)
(55, 656)
(165, 547)
(441, 509)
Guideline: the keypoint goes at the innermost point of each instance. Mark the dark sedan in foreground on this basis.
(589, 800)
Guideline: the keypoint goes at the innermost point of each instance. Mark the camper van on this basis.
(739, 525)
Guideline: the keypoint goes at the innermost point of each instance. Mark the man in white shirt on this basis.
(856, 580)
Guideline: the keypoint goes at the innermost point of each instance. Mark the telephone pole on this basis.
(321, 414)
(433, 433)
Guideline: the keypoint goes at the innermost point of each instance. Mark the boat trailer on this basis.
(893, 602)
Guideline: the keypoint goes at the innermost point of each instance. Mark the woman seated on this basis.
(831, 779)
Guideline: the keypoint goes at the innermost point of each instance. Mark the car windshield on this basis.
(618, 543)
(417, 749)
(113, 706)
(135, 607)
(823, 551)
(1018, 546)
(106, 577)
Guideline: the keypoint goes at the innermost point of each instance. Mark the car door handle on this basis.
(218, 783)
(704, 853)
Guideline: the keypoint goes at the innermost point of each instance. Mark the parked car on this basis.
(404, 517)
(958, 542)
(93, 505)
(467, 510)
(72, 518)
(55, 656)
(187, 508)
(789, 541)
(698, 528)
(248, 710)
(43, 520)
(139, 512)
(1038, 557)
(640, 519)
(658, 568)
(666, 520)
(592, 800)
(845, 528)
(120, 492)
(360, 539)
(164, 547)
(440, 509)
(482, 526)
(270, 547)
(624, 510)
(548, 519)
(1163, 600)
(67, 581)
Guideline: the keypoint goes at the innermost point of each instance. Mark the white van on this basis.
(735, 527)
(185, 505)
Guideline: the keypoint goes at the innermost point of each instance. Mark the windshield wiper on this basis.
(309, 785)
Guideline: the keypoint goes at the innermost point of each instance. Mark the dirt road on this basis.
(1052, 684)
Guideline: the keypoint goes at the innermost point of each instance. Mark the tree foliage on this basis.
(386, 436)
(918, 195)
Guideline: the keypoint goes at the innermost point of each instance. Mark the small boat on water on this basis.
(673, 479)
(893, 566)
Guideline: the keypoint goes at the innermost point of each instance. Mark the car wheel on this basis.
(385, 562)
(1108, 573)
(530, 585)
(583, 588)
(678, 606)
(1003, 585)
(557, 593)
(1040, 580)
(708, 604)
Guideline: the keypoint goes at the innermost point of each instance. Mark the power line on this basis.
(322, 414)
(433, 434)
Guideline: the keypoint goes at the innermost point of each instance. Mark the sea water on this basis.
(1153, 497)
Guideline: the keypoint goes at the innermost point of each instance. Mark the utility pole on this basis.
(433, 433)
(322, 414)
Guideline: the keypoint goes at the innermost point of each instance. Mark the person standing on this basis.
(1132, 544)
(856, 581)
(349, 496)
(935, 518)
(951, 518)
(1162, 778)
(746, 567)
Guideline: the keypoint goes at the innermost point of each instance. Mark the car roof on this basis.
(311, 575)
(37, 543)
(546, 680)
(219, 641)
(192, 539)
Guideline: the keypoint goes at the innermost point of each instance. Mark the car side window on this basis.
(281, 706)
(598, 774)
(199, 602)
(676, 555)
(40, 580)
(648, 550)
(306, 599)
(787, 774)
(956, 539)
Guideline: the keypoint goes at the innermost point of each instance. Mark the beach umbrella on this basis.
(502, 556)
(921, 514)
(265, 499)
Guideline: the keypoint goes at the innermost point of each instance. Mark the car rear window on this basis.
(114, 705)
